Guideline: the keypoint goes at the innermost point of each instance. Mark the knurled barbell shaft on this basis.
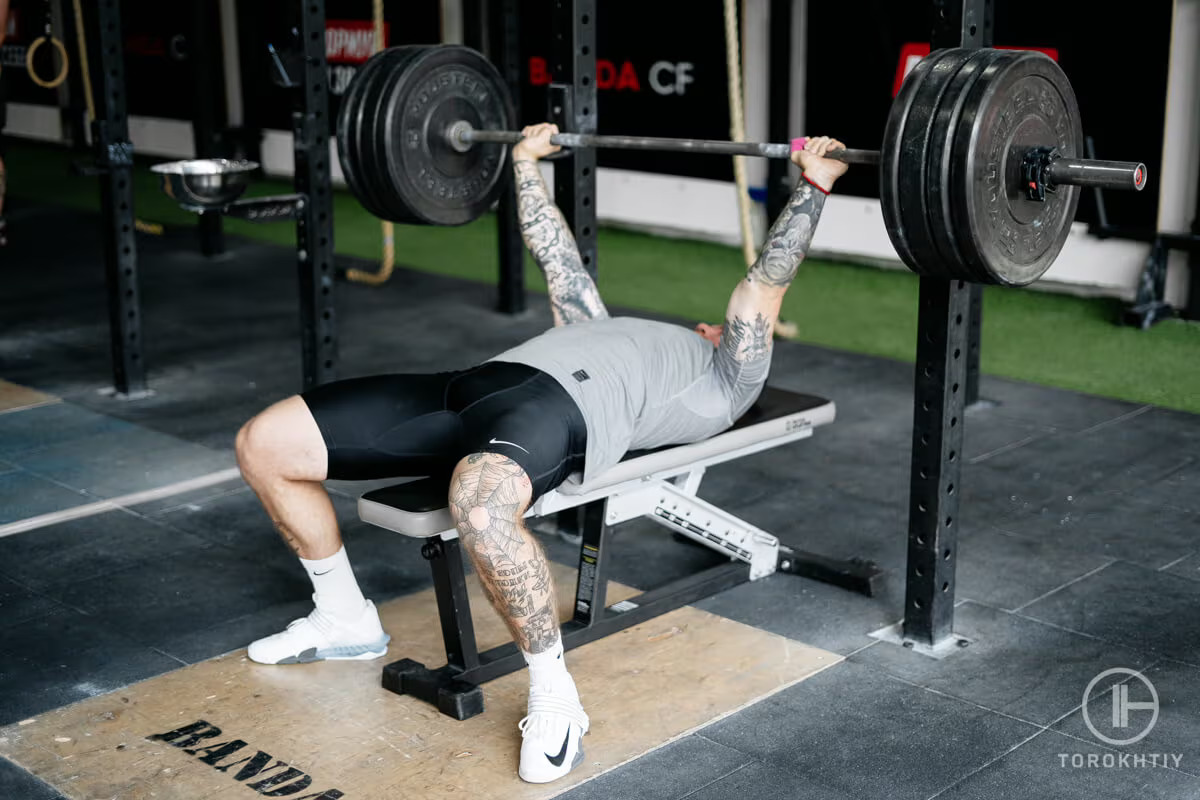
(467, 135)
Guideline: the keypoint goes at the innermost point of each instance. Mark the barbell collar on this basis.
(1129, 175)
(461, 136)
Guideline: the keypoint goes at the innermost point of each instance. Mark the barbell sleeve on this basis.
(461, 136)
(1095, 173)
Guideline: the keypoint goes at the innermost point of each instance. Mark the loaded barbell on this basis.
(1058, 171)
(979, 170)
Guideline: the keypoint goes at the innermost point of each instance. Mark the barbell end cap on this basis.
(458, 135)
(1139, 177)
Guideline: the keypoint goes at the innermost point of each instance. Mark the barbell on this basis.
(1059, 172)
(979, 169)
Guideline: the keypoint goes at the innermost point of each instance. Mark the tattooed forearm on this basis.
(488, 499)
(573, 294)
(788, 239)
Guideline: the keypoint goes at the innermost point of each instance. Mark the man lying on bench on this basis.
(577, 397)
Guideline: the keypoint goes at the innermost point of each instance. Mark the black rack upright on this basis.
(314, 220)
(114, 163)
(944, 347)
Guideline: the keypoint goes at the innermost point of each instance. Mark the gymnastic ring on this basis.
(62, 52)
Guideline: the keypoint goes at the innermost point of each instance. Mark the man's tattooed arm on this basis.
(745, 350)
(788, 239)
(573, 294)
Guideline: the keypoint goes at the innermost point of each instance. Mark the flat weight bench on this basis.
(660, 484)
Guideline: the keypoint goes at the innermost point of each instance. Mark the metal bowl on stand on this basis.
(205, 184)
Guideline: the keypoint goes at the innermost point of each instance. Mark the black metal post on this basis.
(572, 99)
(942, 326)
(974, 340)
(314, 225)
(474, 24)
(114, 157)
(245, 141)
(208, 106)
(73, 106)
(962, 23)
(975, 29)
(506, 56)
(591, 588)
(944, 348)
(779, 98)
(573, 108)
(454, 606)
(1192, 309)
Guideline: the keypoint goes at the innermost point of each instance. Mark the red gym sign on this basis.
(664, 77)
(912, 52)
(351, 41)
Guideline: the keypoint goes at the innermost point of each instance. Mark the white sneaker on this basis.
(552, 736)
(319, 636)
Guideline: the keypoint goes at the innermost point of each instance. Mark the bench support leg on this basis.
(442, 687)
(592, 587)
(853, 574)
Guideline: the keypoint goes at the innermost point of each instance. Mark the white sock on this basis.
(337, 592)
(548, 670)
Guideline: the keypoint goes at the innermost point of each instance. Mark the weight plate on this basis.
(889, 160)
(940, 159)
(345, 112)
(372, 151)
(1018, 103)
(903, 159)
(438, 184)
(347, 130)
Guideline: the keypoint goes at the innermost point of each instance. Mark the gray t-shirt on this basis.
(642, 384)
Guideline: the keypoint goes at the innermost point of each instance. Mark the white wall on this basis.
(34, 122)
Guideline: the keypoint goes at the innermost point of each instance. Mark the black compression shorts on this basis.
(390, 426)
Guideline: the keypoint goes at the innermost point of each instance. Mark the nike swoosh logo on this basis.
(514, 444)
(326, 572)
(558, 759)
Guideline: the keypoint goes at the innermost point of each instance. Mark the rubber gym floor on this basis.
(1078, 545)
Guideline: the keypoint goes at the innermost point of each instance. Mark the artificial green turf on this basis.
(1056, 340)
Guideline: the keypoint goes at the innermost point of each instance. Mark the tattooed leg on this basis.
(489, 495)
(573, 294)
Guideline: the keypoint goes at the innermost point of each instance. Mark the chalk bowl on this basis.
(205, 184)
